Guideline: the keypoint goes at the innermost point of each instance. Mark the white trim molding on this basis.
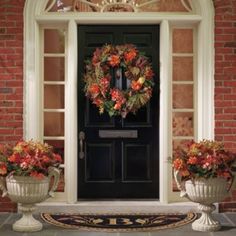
(201, 18)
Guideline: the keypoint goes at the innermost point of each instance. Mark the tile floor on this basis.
(228, 221)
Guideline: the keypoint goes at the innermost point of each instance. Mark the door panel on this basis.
(136, 160)
(123, 164)
(100, 168)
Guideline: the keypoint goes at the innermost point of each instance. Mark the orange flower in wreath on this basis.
(135, 85)
(129, 56)
(114, 60)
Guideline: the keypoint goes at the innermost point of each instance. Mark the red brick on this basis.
(230, 110)
(223, 37)
(15, 83)
(231, 138)
(223, 50)
(222, 24)
(229, 123)
(6, 131)
(223, 90)
(224, 117)
(230, 83)
(230, 70)
(230, 97)
(223, 131)
(223, 103)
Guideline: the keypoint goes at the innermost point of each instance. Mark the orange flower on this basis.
(105, 82)
(94, 89)
(37, 175)
(117, 106)
(3, 169)
(57, 158)
(184, 173)
(15, 158)
(149, 73)
(98, 101)
(114, 60)
(192, 160)
(178, 164)
(135, 85)
(129, 56)
(116, 94)
(96, 56)
(225, 174)
(46, 159)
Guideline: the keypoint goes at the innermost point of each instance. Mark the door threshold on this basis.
(105, 207)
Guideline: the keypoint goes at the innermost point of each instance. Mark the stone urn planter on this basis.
(205, 192)
(27, 191)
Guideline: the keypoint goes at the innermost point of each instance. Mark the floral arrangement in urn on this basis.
(203, 173)
(28, 158)
(203, 159)
(26, 170)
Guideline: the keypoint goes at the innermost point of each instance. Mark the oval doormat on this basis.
(118, 222)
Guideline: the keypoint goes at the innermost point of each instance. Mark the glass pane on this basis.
(54, 96)
(58, 146)
(61, 185)
(54, 41)
(182, 124)
(53, 124)
(182, 96)
(55, 65)
(183, 68)
(180, 143)
(182, 41)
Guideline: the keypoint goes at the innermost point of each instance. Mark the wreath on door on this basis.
(117, 62)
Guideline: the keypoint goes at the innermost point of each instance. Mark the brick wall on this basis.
(225, 80)
(11, 77)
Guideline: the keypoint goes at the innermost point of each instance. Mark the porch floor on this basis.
(228, 221)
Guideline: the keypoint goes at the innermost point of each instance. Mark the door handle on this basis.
(81, 144)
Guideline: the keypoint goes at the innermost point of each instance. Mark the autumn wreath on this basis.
(103, 79)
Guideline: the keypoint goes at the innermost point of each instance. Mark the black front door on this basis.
(115, 167)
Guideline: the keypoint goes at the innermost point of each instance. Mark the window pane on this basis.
(53, 124)
(182, 96)
(54, 41)
(180, 143)
(182, 124)
(54, 68)
(54, 96)
(183, 68)
(183, 41)
(61, 184)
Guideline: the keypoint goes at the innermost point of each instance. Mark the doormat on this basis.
(118, 222)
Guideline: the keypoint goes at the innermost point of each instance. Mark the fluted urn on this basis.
(27, 191)
(205, 192)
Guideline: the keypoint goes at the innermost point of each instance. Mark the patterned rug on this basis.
(118, 222)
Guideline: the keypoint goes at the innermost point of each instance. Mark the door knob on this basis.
(81, 144)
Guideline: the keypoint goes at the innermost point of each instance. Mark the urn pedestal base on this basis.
(27, 222)
(206, 223)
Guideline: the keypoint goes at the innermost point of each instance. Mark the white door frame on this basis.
(34, 17)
